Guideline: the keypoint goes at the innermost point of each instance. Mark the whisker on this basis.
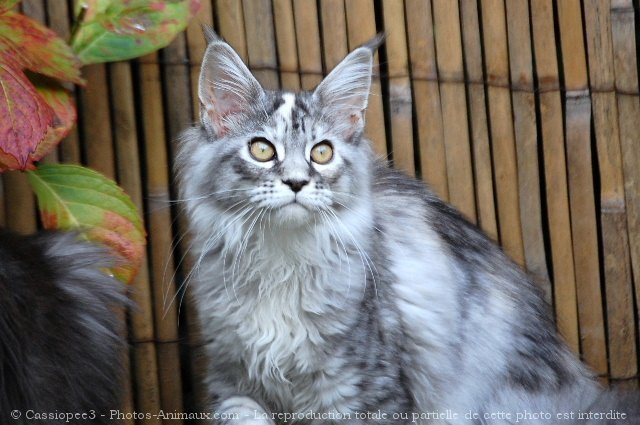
(364, 257)
(208, 244)
(339, 241)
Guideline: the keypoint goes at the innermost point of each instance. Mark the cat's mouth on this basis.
(294, 212)
(296, 204)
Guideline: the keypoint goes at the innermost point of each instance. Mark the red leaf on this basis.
(61, 101)
(37, 48)
(122, 237)
(26, 118)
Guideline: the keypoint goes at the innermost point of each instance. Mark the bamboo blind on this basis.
(525, 115)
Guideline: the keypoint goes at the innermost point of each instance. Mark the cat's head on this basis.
(295, 156)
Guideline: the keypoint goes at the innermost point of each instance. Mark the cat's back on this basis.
(462, 300)
(60, 336)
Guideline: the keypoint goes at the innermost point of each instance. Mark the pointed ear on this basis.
(226, 86)
(345, 91)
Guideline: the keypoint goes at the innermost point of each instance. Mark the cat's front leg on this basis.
(242, 410)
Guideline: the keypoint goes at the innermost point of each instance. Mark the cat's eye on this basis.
(261, 149)
(322, 153)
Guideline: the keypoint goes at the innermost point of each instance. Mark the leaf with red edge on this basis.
(61, 101)
(37, 48)
(26, 118)
(74, 197)
(115, 30)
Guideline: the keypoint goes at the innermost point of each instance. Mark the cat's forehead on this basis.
(289, 112)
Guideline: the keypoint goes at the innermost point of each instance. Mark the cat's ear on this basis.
(345, 91)
(226, 86)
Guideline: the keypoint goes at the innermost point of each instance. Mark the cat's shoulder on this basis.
(403, 198)
(388, 181)
(398, 194)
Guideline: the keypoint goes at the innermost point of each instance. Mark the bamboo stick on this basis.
(178, 117)
(426, 89)
(261, 44)
(361, 26)
(197, 44)
(501, 127)
(128, 169)
(454, 107)
(400, 101)
(96, 121)
(617, 269)
(334, 32)
(583, 226)
(177, 87)
(95, 133)
(159, 223)
(2, 204)
(305, 14)
(479, 130)
(287, 47)
(231, 20)
(35, 10)
(524, 114)
(146, 379)
(628, 101)
(19, 203)
(58, 14)
(581, 198)
(565, 298)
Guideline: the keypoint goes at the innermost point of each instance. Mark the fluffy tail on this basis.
(61, 336)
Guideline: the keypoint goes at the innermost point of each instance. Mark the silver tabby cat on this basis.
(332, 288)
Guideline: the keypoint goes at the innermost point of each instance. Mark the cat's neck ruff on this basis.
(285, 291)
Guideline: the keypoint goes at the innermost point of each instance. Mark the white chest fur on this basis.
(274, 305)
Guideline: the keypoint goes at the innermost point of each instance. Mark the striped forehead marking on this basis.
(289, 100)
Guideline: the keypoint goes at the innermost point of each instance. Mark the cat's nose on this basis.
(296, 185)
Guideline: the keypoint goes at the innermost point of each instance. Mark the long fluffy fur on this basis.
(61, 343)
(373, 295)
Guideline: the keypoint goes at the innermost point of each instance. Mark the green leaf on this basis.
(114, 30)
(74, 197)
(37, 48)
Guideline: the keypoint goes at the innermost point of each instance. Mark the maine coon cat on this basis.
(61, 342)
(332, 288)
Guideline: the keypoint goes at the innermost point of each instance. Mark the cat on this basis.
(331, 288)
(61, 340)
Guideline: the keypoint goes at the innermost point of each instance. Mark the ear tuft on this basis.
(209, 34)
(375, 42)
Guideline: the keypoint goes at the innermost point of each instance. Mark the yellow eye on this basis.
(322, 153)
(261, 149)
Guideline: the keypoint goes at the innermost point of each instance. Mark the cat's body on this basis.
(342, 286)
(61, 342)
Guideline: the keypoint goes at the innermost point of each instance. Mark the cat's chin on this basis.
(293, 215)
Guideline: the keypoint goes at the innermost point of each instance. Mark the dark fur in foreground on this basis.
(60, 338)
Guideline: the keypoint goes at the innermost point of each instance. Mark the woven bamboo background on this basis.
(525, 115)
